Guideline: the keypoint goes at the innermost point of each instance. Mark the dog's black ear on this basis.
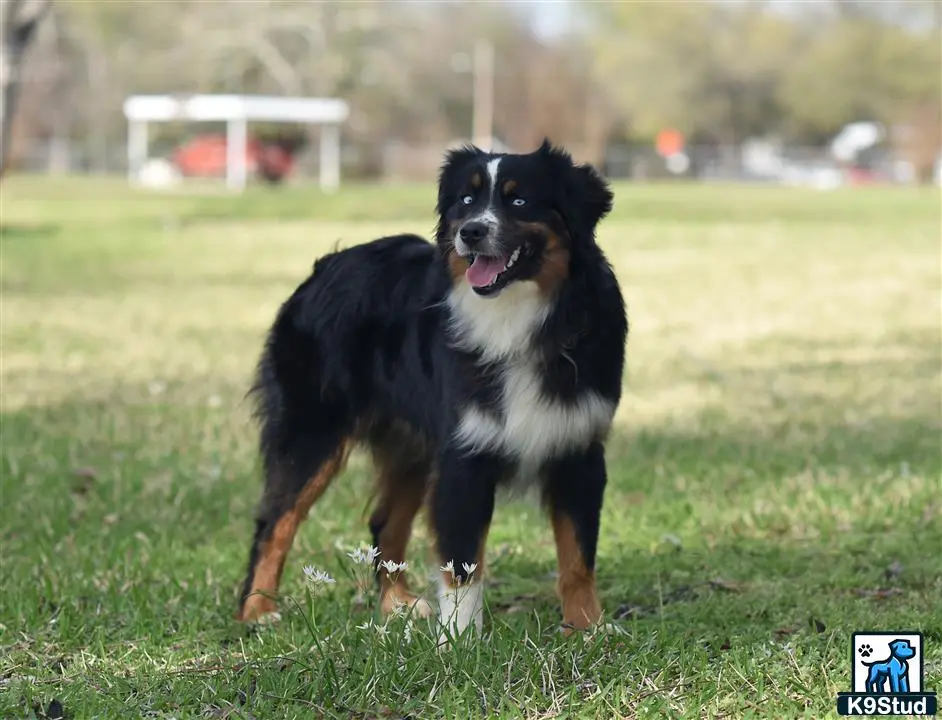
(595, 192)
(455, 159)
(586, 196)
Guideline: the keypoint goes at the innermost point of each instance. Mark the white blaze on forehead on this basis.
(492, 169)
(487, 215)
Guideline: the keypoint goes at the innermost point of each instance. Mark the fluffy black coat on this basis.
(366, 350)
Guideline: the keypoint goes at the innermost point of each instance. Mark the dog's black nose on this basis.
(473, 232)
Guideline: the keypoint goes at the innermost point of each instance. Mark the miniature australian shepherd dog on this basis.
(492, 357)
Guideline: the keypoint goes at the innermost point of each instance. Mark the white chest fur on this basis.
(533, 426)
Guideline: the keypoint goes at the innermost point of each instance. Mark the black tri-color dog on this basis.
(491, 357)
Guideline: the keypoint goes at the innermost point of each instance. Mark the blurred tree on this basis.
(20, 19)
(719, 72)
(708, 70)
(864, 69)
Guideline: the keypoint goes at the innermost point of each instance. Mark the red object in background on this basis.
(669, 142)
(274, 162)
(205, 156)
(862, 177)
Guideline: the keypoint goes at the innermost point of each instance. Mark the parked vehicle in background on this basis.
(270, 160)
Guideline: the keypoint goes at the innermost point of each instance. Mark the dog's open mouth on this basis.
(487, 275)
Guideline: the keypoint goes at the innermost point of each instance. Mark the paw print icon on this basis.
(865, 650)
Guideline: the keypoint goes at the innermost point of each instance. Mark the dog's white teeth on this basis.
(513, 258)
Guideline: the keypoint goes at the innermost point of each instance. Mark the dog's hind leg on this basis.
(285, 504)
(403, 469)
(305, 444)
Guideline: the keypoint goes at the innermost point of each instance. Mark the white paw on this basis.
(459, 609)
(606, 629)
(269, 618)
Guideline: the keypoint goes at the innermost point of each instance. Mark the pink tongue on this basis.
(484, 270)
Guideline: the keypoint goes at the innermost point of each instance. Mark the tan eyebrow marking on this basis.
(510, 186)
(476, 181)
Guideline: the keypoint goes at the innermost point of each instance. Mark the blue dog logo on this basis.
(892, 672)
(888, 676)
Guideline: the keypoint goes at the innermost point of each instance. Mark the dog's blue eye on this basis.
(467, 199)
(518, 202)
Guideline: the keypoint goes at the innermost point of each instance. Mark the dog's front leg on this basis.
(461, 506)
(575, 487)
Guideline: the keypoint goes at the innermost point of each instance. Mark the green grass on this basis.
(774, 474)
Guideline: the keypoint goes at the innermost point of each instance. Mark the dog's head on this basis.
(506, 218)
(902, 650)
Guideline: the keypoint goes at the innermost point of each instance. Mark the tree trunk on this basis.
(20, 19)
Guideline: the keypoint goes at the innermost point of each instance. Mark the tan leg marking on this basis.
(271, 561)
(576, 584)
(402, 503)
(401, 484)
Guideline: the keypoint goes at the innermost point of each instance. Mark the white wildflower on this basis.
(380, 630)
(469, 568)
(448, 567)
(364, 557)
(393, 567)
(317, 577)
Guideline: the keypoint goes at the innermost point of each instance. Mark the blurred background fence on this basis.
(396, 161)
(744, 90)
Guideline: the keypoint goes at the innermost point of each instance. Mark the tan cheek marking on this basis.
(554, 269)
(457, 266)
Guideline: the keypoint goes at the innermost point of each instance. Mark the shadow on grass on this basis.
(41, 231)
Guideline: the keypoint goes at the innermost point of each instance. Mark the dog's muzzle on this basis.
(477, 236)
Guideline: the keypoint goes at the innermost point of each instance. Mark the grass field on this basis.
(774, 474)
